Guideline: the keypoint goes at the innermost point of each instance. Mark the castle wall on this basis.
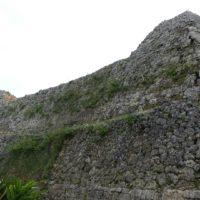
(156, 157)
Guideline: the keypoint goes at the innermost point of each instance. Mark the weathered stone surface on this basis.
(6, 98)
(157, 156)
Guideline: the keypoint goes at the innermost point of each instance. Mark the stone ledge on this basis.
(98, 192)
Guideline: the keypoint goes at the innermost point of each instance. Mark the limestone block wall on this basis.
(143, 74)
(156, 157)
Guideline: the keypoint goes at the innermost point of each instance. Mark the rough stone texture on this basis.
(104, 193)
(158, 157)
(143, 73)
(158, 152)
(6, 98)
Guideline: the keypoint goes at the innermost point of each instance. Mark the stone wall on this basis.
(158, 157)
(6, 98)
(96, 193)
(160, 152)
(142, 75)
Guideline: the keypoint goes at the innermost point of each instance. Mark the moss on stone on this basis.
(33, 111)
(33, 156)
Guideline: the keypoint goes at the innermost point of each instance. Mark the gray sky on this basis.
(44, 43)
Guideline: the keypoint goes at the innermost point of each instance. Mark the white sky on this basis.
(44, 43)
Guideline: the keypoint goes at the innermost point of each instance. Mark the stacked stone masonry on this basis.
(158, 154)
(170, 43)
(158, 157)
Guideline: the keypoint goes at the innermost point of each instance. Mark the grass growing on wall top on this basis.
(33, 156)
(97, 89)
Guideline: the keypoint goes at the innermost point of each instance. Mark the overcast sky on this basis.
(44, 43)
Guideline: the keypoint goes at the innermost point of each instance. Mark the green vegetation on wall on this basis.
(148, 80)
(97, 89)
(129, 118)
(178, 73)
(33, 156)
(100, 128)
(34, 110)
(9, 110)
